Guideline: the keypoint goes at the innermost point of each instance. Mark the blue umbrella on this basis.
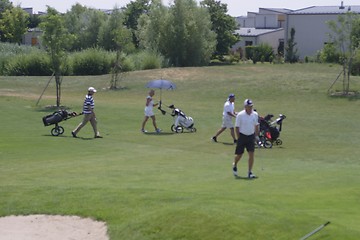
(161, 84)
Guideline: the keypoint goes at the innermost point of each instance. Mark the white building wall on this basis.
(272, 39)
(266, 21)
(241, 43)
(246, 22)
(311, 32)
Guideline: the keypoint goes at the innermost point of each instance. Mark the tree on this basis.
(223, 25)
(4, 5)
(112, 31)
(181, 33)
(291, 52)
(56, 39)
(346, 36)
(132, 13)
(122, 38)
(13, 24)
(84, 23)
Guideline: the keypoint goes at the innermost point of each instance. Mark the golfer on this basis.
(89, 114)
(228, 114)
(247, 130)
(149, 105)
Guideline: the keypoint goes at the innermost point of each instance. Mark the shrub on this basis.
(355, 68)
(92, 61)
(147, 60)
(9, 50)
(31, 64)
(262, 52)
(329, 54)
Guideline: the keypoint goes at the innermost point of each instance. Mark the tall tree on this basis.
(56, 39)
(182, 33)
(4, 5)
(84, 23)
(132, 13)
(13, 24)
(346, 36)
(223, 25)
(291, 50)
(112, 31)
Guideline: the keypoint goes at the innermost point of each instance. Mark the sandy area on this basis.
(45, 227)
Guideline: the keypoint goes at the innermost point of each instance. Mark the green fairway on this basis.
(180, 186)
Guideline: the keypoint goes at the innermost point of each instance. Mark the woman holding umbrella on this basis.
(149, 112)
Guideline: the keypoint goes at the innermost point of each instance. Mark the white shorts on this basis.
(227, 123)
(149, 112)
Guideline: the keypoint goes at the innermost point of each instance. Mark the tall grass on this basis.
(24, 60)
(91, 62)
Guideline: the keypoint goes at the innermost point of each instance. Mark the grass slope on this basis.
(180, 186)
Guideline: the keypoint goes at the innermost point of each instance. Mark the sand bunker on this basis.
(47, 227)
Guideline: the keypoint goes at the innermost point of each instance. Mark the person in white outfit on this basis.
(149, 105)
(247, 130)
(228, 114)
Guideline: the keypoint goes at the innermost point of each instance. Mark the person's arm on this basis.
(237, 131)
(231, 114)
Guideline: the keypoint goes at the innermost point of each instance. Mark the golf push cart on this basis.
(270, 130)
(181, 121)
(56, 118)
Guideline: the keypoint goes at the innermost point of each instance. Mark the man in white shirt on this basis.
(228, 114)
(247, 130)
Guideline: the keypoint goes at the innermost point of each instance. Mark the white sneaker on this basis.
(143, 131)
(251, 175)
(235, 171)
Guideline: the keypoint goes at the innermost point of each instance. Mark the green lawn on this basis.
(180, 186)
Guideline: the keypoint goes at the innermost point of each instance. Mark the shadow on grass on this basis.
(159, 134)
(245, 178)
(68, 136)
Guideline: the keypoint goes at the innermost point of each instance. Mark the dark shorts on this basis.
(243, 142)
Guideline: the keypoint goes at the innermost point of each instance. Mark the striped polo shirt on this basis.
(89, 104)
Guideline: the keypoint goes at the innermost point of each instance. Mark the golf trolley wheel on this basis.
(179, 129)
(56, 131)
(193, 130)
(278, 141)
(267, 144)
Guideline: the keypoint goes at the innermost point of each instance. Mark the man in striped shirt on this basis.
(89, 114)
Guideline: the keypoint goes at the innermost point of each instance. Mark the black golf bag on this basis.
(270, 130)
(57, 117)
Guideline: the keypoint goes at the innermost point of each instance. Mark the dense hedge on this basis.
(32, 64)
(31, 61)
(91, 62)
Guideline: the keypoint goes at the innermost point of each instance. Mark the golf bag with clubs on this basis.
(270, 130)
(56, 118)
(181, 121)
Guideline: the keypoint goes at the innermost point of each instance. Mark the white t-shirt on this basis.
(246, 123)
(228, 107)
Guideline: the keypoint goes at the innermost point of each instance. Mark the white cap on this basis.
(248, 102)
(91, 89)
